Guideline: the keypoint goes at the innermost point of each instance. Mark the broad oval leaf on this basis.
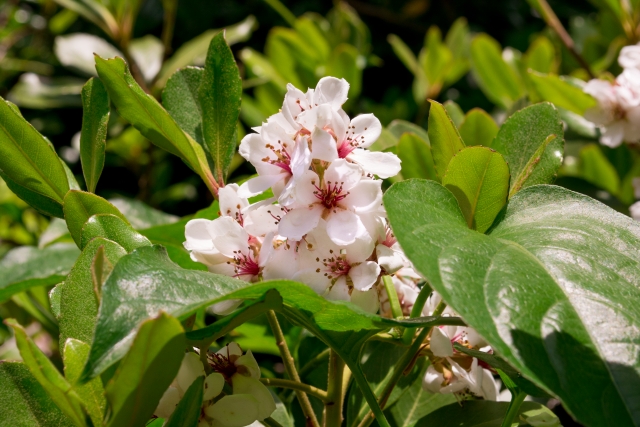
(79, 206)
(219, 94)
(563, 94)
(92, 393)
(43, 204)
(553, 288)
(28, 159)
(531, 141)
(415, 154)
(443, 136)
(27, 266)
(180, 98)
(479, 178)
(478, 128)
(113, 228)
(93, 136)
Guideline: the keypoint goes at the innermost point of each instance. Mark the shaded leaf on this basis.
(558, 91)
(478, 128)
(112, 228)
(415, 154)
(180, 98)
(93, 137)
(92, 393)
(187, 413)
(444, 138)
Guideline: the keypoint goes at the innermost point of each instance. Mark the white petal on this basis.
(331, 90)
(253, 387)
(209, 258)
(231, 204)
(364, 275)
(263, 220)
(281, 264)
(344, 226)
(634, 210)
(323, 146)
(432, 380)
(344, 173)
(368, 301)
(167, 403)
(236, 410)
(190, 369)
(249, 143)
(213, 385)
(228, 236)
(305, 189)
(365, 129)
(629, 57)
(197, 235)
(231, 349)
(382, 164)
(489, 386)
(613, 134)
(315, 280)
(364, 196)
(389, 259)
(76, 50)
(300, 221)
(440, 343)
(339, 291)
(248, 364)
(259, 184)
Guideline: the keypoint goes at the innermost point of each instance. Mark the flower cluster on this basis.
(618, 109)
(250, 401)
(325, 225)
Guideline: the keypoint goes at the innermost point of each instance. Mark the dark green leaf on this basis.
(180, 98)
(146, 371)
(48, 376)
(92, 393)
(112, 228)
(141, 215)
(444, 138)
(479, 178)
(478, 128)
(526, 142)
(42, 204)
(93, 138)
(545, 288)
(220, 92)
(28, 159)
(187, 413)
(79, 206)
(415, 154)
(483, 413)
(561, 93)
(24, 402)
(78, 301)
(27, 266)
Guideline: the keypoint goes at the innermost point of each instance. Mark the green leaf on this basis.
(146, 371)
(404, 53)
(182, 292)
(42, 204)
(79, 206)
(187, 413)
(479, 179)
(455, 112)
(344, 64)
(444, 138)
(112, 228)
(26, 267)
(220, 92)
(524, 140)
(180, 98)
(28, 159)
(496, 78)
(558, 91)
(541, 56)
(92, 393)
(78, 300)
(483, 413)
(399, 127)
(48, 376)
(148, 116)
(478, 128)
(141, 215)
(598, 170)
(435, 60)
(542, 287)
(416, 402)
(93, 137)
(415, 154)
(24, 401)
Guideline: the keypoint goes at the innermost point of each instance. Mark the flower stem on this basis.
(416, 311)
(294, 385)
(290, 367)
(405, 362)
(513, 409)
(396, 311)
(335, 392)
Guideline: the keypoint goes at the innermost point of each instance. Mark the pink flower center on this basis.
(346, 148)
(245, 264)
(282, 158)
(222, 364)
(331, 195)
(334, 266)
(390, 238)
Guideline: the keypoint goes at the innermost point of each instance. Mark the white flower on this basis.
(630, 57)
(455, 379)
(329, 90)
(634, 210)
(342, 197)
(389, 254)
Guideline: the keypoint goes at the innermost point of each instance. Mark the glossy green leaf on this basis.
(187, 413)
(141, 215)
(497, 80)
(444, 138)
(48, 376)
(219, 94)
(112, 228)
(543, 288)
(483, 413)
(42, 204)
(148, 116)
(146, 371)
(415, 154)
(92, 393)
(93, 137)
(182, 292)
(478, 128)
(24, 401)
(531, 143)
(399, 127)
(28, 159)
(25, 267)
(479, 179)
(416, 402)
(78, 300)
(36, 92)
(558, 91)
(598, 170)
(180, 98)
(541, 56)
(79, 206)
